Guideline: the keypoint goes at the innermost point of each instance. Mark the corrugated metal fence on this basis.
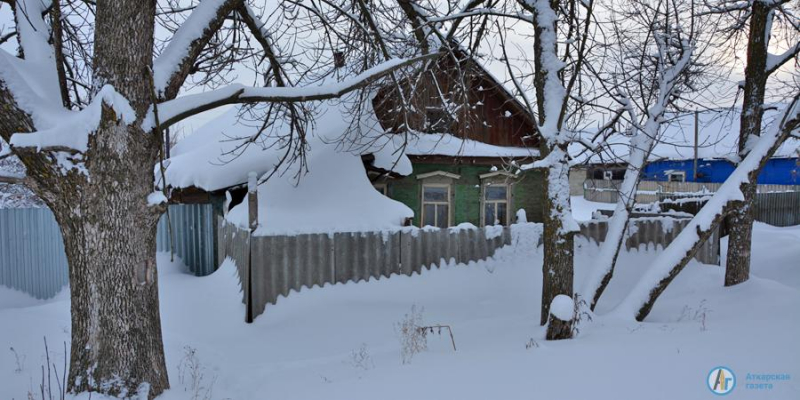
(280, 264)
(32, 257)
(194, 230)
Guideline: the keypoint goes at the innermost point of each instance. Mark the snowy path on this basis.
(304, 347)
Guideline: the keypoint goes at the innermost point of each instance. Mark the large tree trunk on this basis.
(741, 217)
(108, 227)
(558, 243)
(740, 239)
(110, 239)
(559, 226)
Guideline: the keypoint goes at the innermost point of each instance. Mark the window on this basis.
(677, 176)
(436, 205)
(383, 188)
(495, 204)
(608, 175)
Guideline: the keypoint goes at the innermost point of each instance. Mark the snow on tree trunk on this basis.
(562, 317)
(640, 300)
(558, 239)
(559, 226)
(740, 220)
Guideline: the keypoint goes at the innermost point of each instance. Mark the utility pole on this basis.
(696, 134)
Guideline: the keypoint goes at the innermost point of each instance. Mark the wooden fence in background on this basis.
(273, 266)
(777, 205)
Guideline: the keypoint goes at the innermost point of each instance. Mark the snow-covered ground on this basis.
(340, 342)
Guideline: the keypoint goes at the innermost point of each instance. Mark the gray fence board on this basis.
(281, 264)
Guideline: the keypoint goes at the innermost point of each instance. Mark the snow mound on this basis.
(334, 196)
(563, 307)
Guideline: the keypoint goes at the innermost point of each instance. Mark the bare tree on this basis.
(85, 104)
(654, 67)
(764, 23)
(553, 89)
(640, 300)
(557, 79)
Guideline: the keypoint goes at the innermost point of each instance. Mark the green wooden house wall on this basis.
(527, 192)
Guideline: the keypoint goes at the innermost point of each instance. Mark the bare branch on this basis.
(14, 179)
(58, 48)
(183, 107)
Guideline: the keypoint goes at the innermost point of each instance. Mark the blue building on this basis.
(698, 148)
(777, 171)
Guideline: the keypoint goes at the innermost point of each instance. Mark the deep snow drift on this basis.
(341, 342)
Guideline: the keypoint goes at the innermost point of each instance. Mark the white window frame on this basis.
(448, 203)
(485, 202)
(682, 175)
(503, 178)
(608, 175)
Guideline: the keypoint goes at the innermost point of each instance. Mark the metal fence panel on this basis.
(32, 257)
(194, 233)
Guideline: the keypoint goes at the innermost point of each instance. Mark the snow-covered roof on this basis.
(211, 158)
(443, 144)
(336, 195)
(718, 137)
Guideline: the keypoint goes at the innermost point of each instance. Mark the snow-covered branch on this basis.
(482, 12)
(641, 145)
(178, 109)
(173, 65)
(33, 79)
(674, 258)
(775, 61)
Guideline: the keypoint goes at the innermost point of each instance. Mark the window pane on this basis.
(429, 215)
(501, 213)
(441, 216)
(488, 214)
(434, 193)
(676, 177)
(496, 192)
